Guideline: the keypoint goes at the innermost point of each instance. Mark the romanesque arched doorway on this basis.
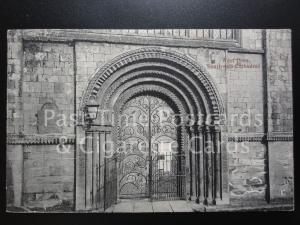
(179, 86)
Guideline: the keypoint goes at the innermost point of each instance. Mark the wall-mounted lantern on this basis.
(91, 111)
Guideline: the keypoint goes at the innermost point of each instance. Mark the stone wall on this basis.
(14, 115)
(244, 104)
(48, 176)
(247, 170)
(279, 69)
(281, 171)
(40, 78)
(280, 112)
(14, 82)
(252, 38)
(91, 56)
(48, 77)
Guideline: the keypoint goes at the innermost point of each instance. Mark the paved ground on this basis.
(138, 206)
(241, 208)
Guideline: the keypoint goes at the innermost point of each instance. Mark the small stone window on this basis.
(47, 119)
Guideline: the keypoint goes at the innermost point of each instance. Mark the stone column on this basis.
(193, 164)
(107, 152)
(196, 163)
(101, 166)
(187, 168)
(80, 168)
(208, 166)
(217, 160)
(199, 156)
(88, 170)
(95, 166)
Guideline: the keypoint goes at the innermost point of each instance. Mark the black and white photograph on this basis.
(149, 120)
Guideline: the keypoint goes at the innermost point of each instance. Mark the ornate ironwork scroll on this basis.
(147, 149)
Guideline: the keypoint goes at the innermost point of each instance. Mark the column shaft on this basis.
(101, 167)
(196, 166)
(193, 164)
(95, 166)
(202, 165)
(218, 169)
(199, 160)
(88, 170)
(208, 165)
(213, 168)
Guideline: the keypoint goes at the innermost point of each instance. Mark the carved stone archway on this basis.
(189, 88)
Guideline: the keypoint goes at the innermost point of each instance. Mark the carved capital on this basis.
(216, 128)
(200, 129)
(195, 128)
(207, 128)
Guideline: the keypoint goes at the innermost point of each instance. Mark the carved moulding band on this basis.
(143, 76)
(245, 138)
(155, 82)
(40, 140)
(280, 137)
(149, 53)
(260, 138)
(147, 70)
(138, 90)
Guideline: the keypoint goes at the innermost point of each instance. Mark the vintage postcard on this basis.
(149, 120)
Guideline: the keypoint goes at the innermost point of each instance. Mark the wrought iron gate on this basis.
(101, 180)
(168, 177)
(150, 163)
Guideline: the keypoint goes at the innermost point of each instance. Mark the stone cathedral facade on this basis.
(180, 91)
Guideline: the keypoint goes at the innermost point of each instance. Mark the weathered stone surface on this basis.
(47, 119)
(281, 170)
(252, 39)
(48, 176)
(280, 81)
(247, 172)
(14, 62)
(49, 66)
